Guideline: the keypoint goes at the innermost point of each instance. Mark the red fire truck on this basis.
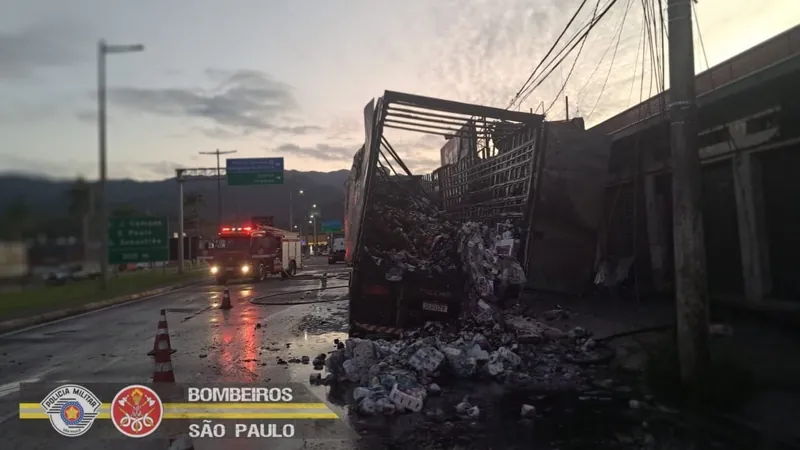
(254, 252)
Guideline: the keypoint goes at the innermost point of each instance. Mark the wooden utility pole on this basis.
(691, 296)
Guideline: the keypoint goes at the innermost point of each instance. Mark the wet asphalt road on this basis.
(213, 346)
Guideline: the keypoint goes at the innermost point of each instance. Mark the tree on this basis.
(18, 219)
(126, 210)
(80, 199)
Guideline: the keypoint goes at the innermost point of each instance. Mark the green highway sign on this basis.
(138, 239)
(253, 171)
(331, 226)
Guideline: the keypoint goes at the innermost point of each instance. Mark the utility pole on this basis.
(689, 247)
(217, 152)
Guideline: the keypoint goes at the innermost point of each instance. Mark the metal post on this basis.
(690, 261)
(219, 195)
(217, 152)
(180, 227)
(101, 138)
(315, 230)
(566, 105)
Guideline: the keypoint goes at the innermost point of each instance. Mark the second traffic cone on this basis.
(226, 299)
(162, 335)
(162, 364)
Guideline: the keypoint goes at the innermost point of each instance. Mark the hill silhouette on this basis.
(49, 198)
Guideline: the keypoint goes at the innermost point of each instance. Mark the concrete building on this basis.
(749, 115)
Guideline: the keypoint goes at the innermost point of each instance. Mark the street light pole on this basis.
(217, 153)
(291, 208)
(104, 49)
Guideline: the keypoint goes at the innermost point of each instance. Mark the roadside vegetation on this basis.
(42, 299)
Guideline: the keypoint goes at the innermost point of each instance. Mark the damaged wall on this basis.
(568, 208)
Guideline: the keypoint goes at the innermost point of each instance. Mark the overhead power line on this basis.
(558, 39)
(578, 39)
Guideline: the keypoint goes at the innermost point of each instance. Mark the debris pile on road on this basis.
(397, 376)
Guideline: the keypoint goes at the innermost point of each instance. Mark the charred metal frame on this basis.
(493, 182)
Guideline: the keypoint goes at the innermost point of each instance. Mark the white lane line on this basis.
(33, 327)
(12, 388)
(9, 416)
(106, 365)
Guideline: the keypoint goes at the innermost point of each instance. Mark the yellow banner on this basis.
(256, 411)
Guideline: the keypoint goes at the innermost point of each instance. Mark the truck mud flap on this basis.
(364, 330)
(437, 299)
(375, 304)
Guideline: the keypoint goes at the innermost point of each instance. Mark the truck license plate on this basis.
(437, 307)
(229, 269)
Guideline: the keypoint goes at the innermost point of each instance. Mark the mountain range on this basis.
(49, 198)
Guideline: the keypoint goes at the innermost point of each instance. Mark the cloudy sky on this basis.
(290, 78)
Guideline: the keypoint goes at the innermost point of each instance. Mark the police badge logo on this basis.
(137, 411)
(72, 409)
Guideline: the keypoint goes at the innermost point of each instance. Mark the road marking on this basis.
(106, 365)
(33, 327)
(12, 388)
(8, 417)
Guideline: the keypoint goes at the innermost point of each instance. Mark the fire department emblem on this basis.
(72, 409)
(137, 411)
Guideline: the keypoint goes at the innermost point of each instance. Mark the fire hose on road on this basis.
(264, 300)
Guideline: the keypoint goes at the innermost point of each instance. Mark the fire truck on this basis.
(254, 252)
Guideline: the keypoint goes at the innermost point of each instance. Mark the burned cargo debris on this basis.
(409, 236)
(398, 376)
(406, 233)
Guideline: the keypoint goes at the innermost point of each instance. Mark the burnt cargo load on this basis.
(413, 260)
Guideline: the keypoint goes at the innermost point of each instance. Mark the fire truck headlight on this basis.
(245, 269)
(214, 270)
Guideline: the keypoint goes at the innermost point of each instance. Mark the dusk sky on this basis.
(290, 78)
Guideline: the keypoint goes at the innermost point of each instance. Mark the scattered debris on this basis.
(528, 411)
(408, 370)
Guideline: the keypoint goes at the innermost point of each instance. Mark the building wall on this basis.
(750, 206)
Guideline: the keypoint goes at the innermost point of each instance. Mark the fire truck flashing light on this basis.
(235, 230)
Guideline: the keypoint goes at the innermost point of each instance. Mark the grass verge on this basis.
(40, 300)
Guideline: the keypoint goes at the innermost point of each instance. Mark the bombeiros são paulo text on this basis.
(208, 429)
(240, 394)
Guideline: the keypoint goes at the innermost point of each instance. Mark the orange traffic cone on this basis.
(162, 367)
(226, 299)
(162, 334)
(162, 354)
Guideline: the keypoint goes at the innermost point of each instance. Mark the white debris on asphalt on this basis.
(528, 411)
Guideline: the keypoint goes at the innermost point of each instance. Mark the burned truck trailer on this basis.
(401, 229)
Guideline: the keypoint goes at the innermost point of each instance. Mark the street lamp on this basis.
(291, 206)
(314, 226)
(104, 49)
